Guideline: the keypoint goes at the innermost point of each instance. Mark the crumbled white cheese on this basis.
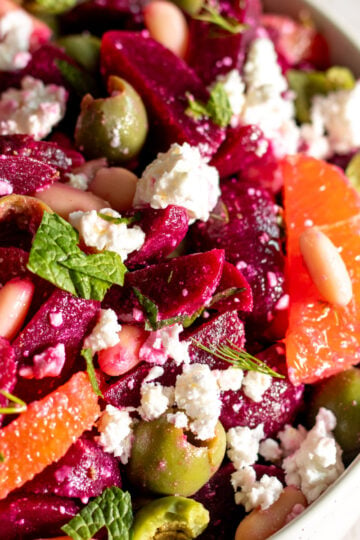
(154, 373)
(182, 177)
(178, 419)
(317, 463)
(49, 363)
(155, 399)
(105, 333)
(270, 450)
(229, 379)
(56, 318)
(163, 344)
(252, 493)
(106, 235)
(116, 435)
(16, 28)
(314, 141)
(198, 395)
(235, 90)
(34, 109)
(243, 444)
(291, 438)
(255, 385)
(262, 70)
(78, 181)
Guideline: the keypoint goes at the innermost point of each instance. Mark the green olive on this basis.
(166, 460)
(190, 6)
(170, 518)
(341, 394)
(114, 127)
(84, 49)
(55, 7)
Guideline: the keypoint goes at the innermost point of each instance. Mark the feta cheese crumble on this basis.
(78, 181)
(16, 28)
(155, 399)
(105, 332)
(317, 462)
(116, 435)
(234, 88)
(105, 235)
(163, 344)
(33, 110)
(49, 363)
(229, 379)
(243, 444)
(270, 450)
(252, 493)
(182, 177)
(198, 395)
(255, 385)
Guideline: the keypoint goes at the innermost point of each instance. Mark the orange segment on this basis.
(44, 433)
(321, 339)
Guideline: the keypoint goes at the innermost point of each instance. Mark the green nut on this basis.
(190, 6)
(114, 127)
(84, 49)
(341, 394)
(166, 460)
(170, 518)
(54, 7)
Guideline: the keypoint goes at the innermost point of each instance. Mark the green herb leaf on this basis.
(112, 509)
(353, 171)
(18, 406)
(217, 108)
(87, 354)
(239, 358)
(81, 81)
(2, 457)
(151, 311)
(226, 294)
(211, 14)
(56, 257)
(128, 221)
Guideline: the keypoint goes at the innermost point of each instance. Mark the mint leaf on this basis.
(217, 108)
(226, 294)
(211, 14)
(150, 308)
(81, 81)
(87, 354)
(56, 257)
(117, 220)
(112, 509)
(15, 406)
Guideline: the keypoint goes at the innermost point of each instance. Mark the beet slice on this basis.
(250, 236)
(33, 516)
(213, 52)
(164, 229)
(163, 80)
(7, 371)
(85, 471)
(178, 288)
(279, 404)
(16, 261)
(78, 317)
(232, 278)
(26, 175)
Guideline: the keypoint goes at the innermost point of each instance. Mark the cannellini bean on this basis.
(326, 267)
(124, 355)
(116, 185)
(261, 524)
(64, 199)
(15, 300)
(90, 168)
(167, 25)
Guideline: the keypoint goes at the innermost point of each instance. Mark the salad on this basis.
(179, 278)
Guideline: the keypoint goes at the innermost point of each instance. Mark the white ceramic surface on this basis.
(336, 514)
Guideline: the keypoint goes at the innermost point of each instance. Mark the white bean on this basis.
(167, 25)
(116, 185)
(15, 300)
(326, 267)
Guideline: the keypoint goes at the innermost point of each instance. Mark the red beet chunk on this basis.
(178, 288)
(7, 371)
(278, 407)
(218, 331)
(213, 52)
(85, 471)
(26, 175)
(162, 79)
(164, 231)
(126, 391)
(35, 516)
(250, 236)
(78, 317)
(232, 278)
(16, 261)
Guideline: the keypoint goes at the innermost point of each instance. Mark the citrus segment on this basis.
(322, 339)
(44, 433)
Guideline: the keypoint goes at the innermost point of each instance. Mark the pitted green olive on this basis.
(170, 518)
(84, 49)
(164, 460)
(190, 6)
(114, 127)
(55, 7)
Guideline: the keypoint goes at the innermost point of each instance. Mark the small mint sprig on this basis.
(211, 14)
(18, 406)
(87, 355)
(239, 358)
(217, 108)
(118, 220)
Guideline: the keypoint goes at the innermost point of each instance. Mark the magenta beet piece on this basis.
(217, 331)
(33, 516)
(16, 261)
(164, 229)
(232, 279)
(279, 404)
(7, 371)
(126, 391)
(250, 236)
(85, 471)
(77, 317)
(247, 152)
(163, 80)
(213, 52)
(24, 175)
(178, 288)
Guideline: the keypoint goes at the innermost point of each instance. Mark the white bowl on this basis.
(335, 514)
